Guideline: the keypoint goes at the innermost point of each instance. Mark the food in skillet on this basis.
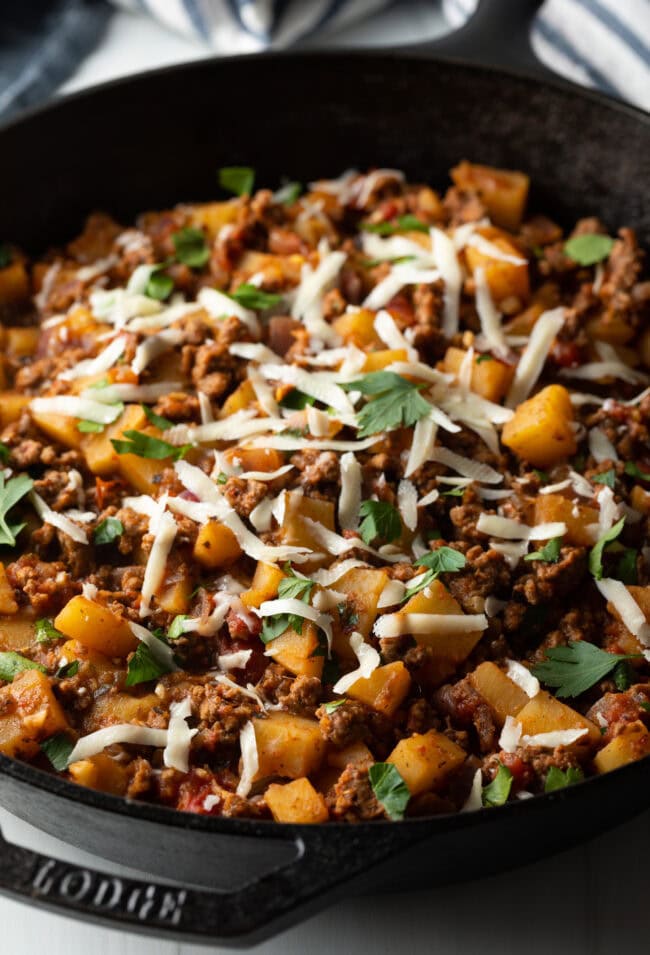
(327, 506)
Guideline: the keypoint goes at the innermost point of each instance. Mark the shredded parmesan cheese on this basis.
(534, 356)
(398, 624)
(522, 676)
(62, 523)
(249, 759)
(350, 496)
(179, 737)
(626, 607)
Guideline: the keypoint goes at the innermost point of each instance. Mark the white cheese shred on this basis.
(368, 659)
(534, 356)
(179, 737)
(249, 759)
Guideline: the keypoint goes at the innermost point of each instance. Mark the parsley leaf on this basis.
(160, 285)
(607, 477)
(288, 193)
(45, 631)
(5, 255)
(560, 779)
(12, 663)
(541, 475)
(588, 249)
(70, 669)
(455, 491)
(237, 179)
(333, 705)
(577, 667)
(626, 566)
(249, 296)
(89, 427)
(57, 748)
(5, 451)
(484, 357)
(409, 223)
(222, 477)
(273, 626)
(108, 531)
(623, 676)
(147, 447)
(395, 260)
(290, 588)
(296, 400)
(549, 553)
(191, 247)
(390, 789)
(10, 494)
(157, 420)
(177, 627)
(496, 793)
(143, 667)
(444, 560)
(396, 402)
(596, 552)
(295, 588)
(380, 520)
(633, 469)
(427, 579)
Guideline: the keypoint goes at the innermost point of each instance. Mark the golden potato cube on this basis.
(22, 342)
(96, 627)
(12, 406)
(239, 400)
(287, 745)
(216, 546)
(296, 530)
(541, 429)
(376, 360)
(59, 428)
(640, 499)
(264, 585)
(358, 328)
(14, 283)
(16, 632)
(119, 708)
(40, 711)
(255, 459)
(364, 586)
(632, 743)
(501, 694)
(424, 760)
(356, 754)
(385, 689)
(553, 507)
(295, 651)
(8, 603)
(544, 714)
(491, 378)
(175, 595)
(503, 191)
(296, 802)
(213, 216)
(102, 773)
(505, 279)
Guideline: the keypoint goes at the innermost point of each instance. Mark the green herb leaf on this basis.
(396, 402)
(333, 705)
(575, 668)
(273, 626)
(380, 520)
(288, 193)
(290, 588)
(623, 676)
(348, 616)
(645, 706)
(496, 793)
(249, 296)
(143, 667)
(12, 663)
(427, 579)
(70, 669)
(222, 477)
(444, 560)
(45, 631)
(549, 553)
(295, 588)
(296, 400)
(108, 530)
(560, 778)
(484, 357)
(541, 475)
(390, 789)
(177, 627)
(5, 451)
(405, 223)
(191, 247)
(157, 420)
(626, 567)
(89, 427)
(57, 749)
(596, 552)
(457, 491)
(588, 249)
(635, 471)
(5, 255)
(10, 494)
(237, 179)
(160, 285)
(147, 447)
(395, 260)
(607, 477)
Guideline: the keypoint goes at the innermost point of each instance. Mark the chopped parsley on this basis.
(405, 223)
(596, 552)
(5, 451)
(222, 477)
(625, 569)
(607, 477)
(542, 476)
(457, 491)
(45, 631)
(577, 667)
(296, 400)
(159, 285)
(177, 627)
(10, 494)
(588, 249)
(249, 296)
(237, 179)
(57, 748)
(191, 247)
(89, 427)
(396, 402)
(395, 260)
(109, 530)
(497, 792)
(560, 778)
(623, 676)
(146, 446)
(444, 560)
(290, 588)
(12, 663)
(69, 669)
(157, 420)
(633, 470)
(333, 705)
(379, 520)
(143, 667)
(549, 553)
(390, 789)
(484, 357)
(428, 577)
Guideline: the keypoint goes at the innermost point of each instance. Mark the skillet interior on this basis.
(157, 139)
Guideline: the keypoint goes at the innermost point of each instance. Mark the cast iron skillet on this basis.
(155, 139)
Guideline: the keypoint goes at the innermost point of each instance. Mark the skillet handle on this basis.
(322, 866)
(496, 35)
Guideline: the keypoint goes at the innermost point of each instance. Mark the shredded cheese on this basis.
(398, 624)
(249, 759)
(350, 496)
(407, 503)
(509, 529)
(73, 406)
(179, 737)
(60, 521)
(616, 593)
(534, 356)
(522, 676)
(368, 659)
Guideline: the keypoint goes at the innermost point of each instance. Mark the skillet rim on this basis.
(27, 774)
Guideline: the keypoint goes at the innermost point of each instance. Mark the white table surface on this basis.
(588, 901)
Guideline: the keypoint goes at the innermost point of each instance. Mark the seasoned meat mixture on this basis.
(327, 504)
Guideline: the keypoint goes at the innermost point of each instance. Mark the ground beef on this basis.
(552, 581)
(353, 799)
(244, 495)
(465, 707)
(353, 722)
(45, 586)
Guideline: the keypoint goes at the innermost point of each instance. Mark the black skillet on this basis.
(156, 139)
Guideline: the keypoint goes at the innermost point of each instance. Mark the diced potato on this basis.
(295, 528)
(141, 473)
(8, 603)
(14, 283)
(632, 743)
(541, 429)
(544, 714)
(73, 650)
(216, 546)
(295, 651)
(376, 360)
(14, 741)
(385, 689)
(611, 328)
(505, 279)
(16, 632)
(255, 459)
(491, 378)
(175, 595)
(358, 328)
(357, 754)
(59, 428)
(96, 627)
(640, 499)
(364, 587)
(12, 406)
(276, 269)
(119, 708)
(296, 802)
(580, 519)
(501, 694)
(102, 773)
(240, 399)
(503, 191)
(424, 760)
(212, 216)
(22, 342)
(40, 711)
(287, 745)
(264, 585)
